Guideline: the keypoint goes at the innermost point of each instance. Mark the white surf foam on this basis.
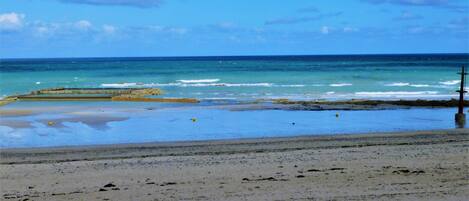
(398, 84)
(404, 84)
(450, 82)
(199, 81)
(261, 84)
(226, 85)
(249, 85)
(119, 85)
(340, 85)
(396, 93)
(291, 85)
(214, 84)
(419, 85)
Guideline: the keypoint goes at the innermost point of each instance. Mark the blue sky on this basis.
(103, 28)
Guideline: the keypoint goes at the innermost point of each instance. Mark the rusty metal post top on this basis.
(460, 117)
(463, 79)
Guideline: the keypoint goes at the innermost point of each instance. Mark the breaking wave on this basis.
(450, 82)
(404, 84)
(397, 94)
(398, 84)
(261, 84)
(123, 85)
(199, 81)
(419, 85)
(340, 85)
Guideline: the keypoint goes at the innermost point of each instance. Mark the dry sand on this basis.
(429, 165)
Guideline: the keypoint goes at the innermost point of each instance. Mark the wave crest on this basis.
(340, 85)
(260, 84)
(450, 82)
(405, 84)
(419, 85)
(398, 84)
(396, 93)
(199, 81)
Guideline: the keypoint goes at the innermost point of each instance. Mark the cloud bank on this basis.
(411, 2)
(444, 4)
(11, 21)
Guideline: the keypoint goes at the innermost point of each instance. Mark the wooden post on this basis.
(460, 117)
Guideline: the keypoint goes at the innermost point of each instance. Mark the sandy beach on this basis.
(155, 100)
(427, 165)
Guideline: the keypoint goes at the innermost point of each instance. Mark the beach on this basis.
(424, 165)
(334, 127)
(234, 100)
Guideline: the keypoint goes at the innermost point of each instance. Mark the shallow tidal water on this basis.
(90, 123)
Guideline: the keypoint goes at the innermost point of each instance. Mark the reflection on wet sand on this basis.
(13, 113)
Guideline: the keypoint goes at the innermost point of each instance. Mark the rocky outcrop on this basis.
(98, 94)
(374, 103)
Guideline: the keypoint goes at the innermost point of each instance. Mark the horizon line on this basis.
(214, 56)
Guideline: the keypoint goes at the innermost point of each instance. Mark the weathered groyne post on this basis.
(460, 117)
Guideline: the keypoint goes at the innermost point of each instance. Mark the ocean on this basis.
(410, 76)
(210, 79)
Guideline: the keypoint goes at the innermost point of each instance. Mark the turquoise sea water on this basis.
(231, 79)
(430, 76)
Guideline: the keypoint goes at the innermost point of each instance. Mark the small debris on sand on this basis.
(109, 185)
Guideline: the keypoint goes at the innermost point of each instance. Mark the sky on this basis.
(120, 28)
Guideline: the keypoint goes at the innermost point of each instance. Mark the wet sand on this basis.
(427, 165)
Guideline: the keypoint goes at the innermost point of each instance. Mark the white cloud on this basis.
(83, 25)
(45, 29)
(108, 29)
(164, 29)
(11, 21)
(42, 30)
(325, 30)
